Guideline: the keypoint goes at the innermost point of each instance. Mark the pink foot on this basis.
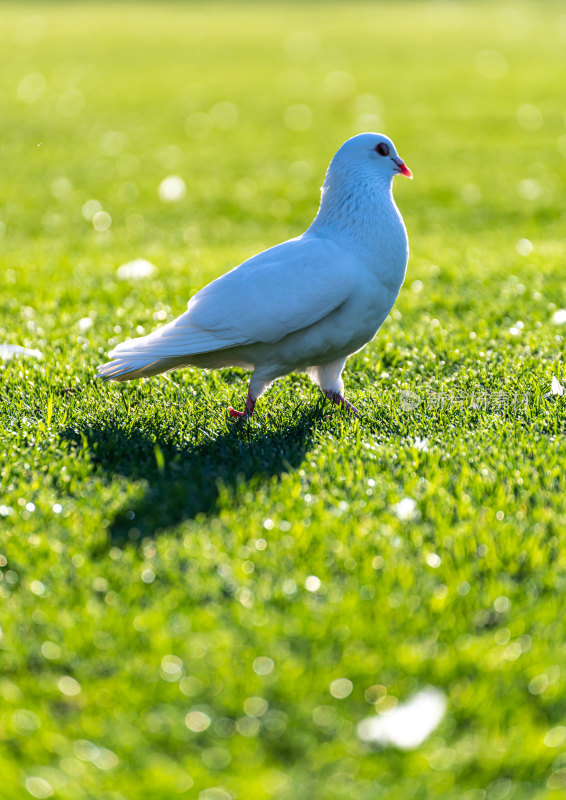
(250, 405)
(339, 400)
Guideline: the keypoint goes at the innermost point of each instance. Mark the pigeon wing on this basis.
(281, 290)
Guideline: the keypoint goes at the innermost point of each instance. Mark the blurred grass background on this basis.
(161, 636)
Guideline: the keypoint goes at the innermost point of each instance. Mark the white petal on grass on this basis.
(407, 725)
(433, 560)
(556, 387)
(8, 351)
(559, 316)
(172, 188)
(405, 508)
(84, 324)
(135, 270)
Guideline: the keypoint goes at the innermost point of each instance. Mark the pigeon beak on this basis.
(403, 168)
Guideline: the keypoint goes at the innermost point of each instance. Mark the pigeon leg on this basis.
(250, 405)
(341, 401)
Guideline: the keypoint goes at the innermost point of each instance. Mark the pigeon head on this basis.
(372, 152)
(356, 196)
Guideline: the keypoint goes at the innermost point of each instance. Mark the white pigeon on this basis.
(301, 306)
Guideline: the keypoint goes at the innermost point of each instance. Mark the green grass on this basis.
(152, 551)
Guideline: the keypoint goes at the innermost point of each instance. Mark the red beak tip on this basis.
(402, 168)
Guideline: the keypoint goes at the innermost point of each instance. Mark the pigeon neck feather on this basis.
(357, 210)
(354, 201)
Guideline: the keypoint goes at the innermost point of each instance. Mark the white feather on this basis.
(556, 387)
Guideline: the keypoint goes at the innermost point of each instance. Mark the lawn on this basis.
(196, 608)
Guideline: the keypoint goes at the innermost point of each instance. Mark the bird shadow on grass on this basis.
(182, 481)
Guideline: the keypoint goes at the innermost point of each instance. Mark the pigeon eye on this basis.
(382, 149)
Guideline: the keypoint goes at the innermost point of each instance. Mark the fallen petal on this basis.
(407, 725)
(405, 508)
(84, 324)
(8, 351)
(135, 270)
(172, 188)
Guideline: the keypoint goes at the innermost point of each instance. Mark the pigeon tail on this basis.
(176, 344)
(122, 369)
